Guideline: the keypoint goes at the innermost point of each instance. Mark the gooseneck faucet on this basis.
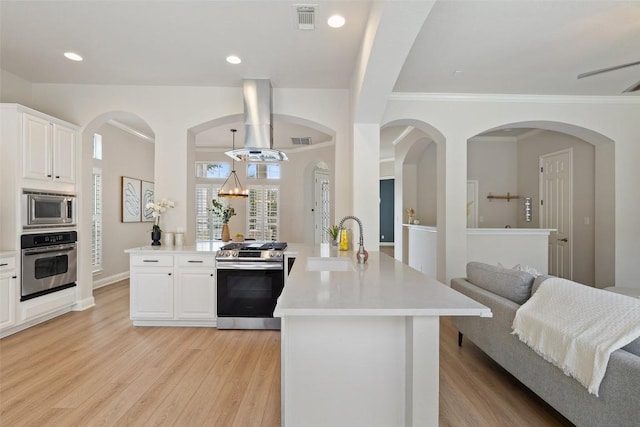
(362, 254)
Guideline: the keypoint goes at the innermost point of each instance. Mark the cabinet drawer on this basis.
(7, 264)
(196, 260)
(152, 260)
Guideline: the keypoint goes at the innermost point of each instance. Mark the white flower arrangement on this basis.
(157, 209)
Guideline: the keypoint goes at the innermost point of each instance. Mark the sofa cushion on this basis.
(511, 284)
(538, 281)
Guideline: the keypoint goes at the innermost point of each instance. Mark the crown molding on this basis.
(541, 99)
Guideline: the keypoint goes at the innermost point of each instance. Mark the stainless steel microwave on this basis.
(40, 209)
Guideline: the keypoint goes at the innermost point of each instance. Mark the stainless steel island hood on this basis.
(258, 143)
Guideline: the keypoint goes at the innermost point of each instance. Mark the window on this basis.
(96, 245)
(97, 146)
(262, 217)
(263, 170)
(208, 227)
(213, 170)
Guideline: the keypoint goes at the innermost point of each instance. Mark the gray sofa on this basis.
(504, 290)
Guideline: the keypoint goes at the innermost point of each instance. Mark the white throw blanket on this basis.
(577, 327)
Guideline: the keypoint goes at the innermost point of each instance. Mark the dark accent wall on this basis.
(386, 210)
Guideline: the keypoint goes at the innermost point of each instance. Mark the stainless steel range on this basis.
(250, 278)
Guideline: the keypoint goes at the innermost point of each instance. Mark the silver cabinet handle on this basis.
(150, 260)
(196, 261)
(4, 264)
(563, 240)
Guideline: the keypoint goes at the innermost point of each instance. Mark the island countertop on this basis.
(381, 287)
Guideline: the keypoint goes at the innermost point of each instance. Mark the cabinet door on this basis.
(7, 301)
(36, 148)
(152, 293)
(195, 294)
(64, 154)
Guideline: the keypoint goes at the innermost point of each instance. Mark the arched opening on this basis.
(507, 160)
(115, 144)
(416, 151)
(306, 143)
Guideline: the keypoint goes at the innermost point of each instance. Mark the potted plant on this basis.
(224, 213)
(158, 209)
(333, 234)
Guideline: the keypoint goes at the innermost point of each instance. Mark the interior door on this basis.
(321, 211)
(555, 209)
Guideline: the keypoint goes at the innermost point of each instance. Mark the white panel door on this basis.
(555, 209)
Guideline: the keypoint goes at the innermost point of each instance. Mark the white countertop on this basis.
(382, 287)
(198, 247)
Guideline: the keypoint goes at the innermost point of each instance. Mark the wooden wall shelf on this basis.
(508, 197)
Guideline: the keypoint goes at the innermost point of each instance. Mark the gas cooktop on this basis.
(253, 251)
(253, 246)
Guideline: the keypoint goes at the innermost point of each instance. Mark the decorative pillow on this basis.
(526, 268)
(511, 284)
(538, 281)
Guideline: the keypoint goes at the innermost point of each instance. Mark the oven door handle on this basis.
(28, 252)
(249, 266)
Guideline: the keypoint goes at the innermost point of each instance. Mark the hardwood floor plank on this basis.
(94, 368)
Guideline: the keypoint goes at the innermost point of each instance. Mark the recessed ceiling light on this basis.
(232, 59)
(336, 21)
(73, 56)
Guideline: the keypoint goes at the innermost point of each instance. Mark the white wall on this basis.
(387, 170)
(14, 89)
(459, 118)
(122, 155)
(427, 210)
(495, 165)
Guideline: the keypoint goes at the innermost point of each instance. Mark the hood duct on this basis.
(258, 125)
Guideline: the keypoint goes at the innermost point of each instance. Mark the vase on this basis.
(226, 235)
(155, 237)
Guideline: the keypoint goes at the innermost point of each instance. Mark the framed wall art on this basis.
(147, 194)
(131, 209)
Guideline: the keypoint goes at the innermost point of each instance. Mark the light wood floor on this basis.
(94, 368)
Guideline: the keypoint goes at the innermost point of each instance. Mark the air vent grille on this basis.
(301, 140)
(306, 15)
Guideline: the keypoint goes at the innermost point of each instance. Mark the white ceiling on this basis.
(505, 47)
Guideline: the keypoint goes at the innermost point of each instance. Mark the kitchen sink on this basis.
(330, 264)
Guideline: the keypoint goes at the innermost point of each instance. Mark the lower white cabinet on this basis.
(8, 289)
(173, 290)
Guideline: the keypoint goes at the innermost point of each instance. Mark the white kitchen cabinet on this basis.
(151, 287)
(48, 150)
(172, 290)
(8, 289)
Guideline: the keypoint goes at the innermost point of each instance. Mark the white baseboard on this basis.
(84, 304)
(110, 280)
(387, 243)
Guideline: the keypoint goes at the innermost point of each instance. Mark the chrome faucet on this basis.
(362, 253)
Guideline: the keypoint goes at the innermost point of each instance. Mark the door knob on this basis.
(563, 240)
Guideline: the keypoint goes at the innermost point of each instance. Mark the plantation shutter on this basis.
(96, 244)
(263, 218)
(208, 227)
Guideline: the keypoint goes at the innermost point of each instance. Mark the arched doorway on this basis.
(115, 144)
(515, 150)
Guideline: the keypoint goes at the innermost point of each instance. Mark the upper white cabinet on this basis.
(48, 150)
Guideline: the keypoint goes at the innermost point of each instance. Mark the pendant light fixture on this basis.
(232, 188)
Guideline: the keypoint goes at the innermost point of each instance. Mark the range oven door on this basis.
(247, 294)
(48, 269)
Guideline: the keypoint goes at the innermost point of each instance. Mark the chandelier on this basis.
(232, 188)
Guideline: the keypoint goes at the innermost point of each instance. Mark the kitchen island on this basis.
(360, 343)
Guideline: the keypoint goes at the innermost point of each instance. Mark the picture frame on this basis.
(147, 194)
(130, 191)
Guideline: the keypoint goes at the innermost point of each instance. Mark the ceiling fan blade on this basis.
(606, 70)
(633, 88)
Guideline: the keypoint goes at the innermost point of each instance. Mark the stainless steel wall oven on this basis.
(49, 263)
(250, 278)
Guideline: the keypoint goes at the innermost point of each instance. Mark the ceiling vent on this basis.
(305, 16)
(301, 140)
